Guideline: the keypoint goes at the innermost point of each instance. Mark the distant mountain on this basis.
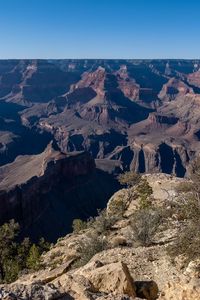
(144, 113)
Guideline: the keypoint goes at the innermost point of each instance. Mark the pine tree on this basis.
(43, 245)
(23, 252)
(33, 260)
(8, 248)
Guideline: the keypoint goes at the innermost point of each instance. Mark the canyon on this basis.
(103, 117)
(142, 113)
(68, 128)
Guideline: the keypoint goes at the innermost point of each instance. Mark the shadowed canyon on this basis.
(103, 117)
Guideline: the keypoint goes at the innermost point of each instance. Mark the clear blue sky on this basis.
(99, 29)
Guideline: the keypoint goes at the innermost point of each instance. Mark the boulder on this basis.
(119, 241)
(112, 278)
(79, 287)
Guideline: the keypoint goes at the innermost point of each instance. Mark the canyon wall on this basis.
(45, 192)
(144, 113)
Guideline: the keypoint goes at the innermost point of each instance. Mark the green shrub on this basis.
(43, 245)
(15, 255)
(23, 252)
(8, 250)
(78, 225)
(103, 222)
(145, 223)
(129, 179)
(143, 189)
(144, 192)
(117, 207)
(12, 269)
(187, 243)
(187, 210)
(88, 247)
(33, 259)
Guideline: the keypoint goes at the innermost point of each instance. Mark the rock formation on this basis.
(139, 112)
(121, 271)
(106, 116)
(45, 192)
(185, 290)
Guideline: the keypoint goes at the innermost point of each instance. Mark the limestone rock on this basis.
(78, 287)
(182, 291)
(193, 269)
(35, 291)
(48, 276)
(111, 278)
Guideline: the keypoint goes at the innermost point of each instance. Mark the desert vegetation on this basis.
(101, 232)
(78, 225)
(144, 223)
(89, 246)
(95, 239)
(15, 255)
(187, 211)
(147, 219)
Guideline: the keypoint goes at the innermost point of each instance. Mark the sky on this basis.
(99, 29)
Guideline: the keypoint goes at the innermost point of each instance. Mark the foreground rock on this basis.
(94, 281)
(124, 269)
(182, 291)
(96, 278)
(35, 291)
(111, 278)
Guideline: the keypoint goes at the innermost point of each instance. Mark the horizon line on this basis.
(159, 58)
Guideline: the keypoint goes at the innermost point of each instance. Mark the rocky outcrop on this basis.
(113, 278)
(174, 88)
(94, 80)
(127, 85)
(35, 291)
(94, 281)
(182, 290)
(164, 189)
(123, 270)
(36, 189)
(194, 78)
(165, 157)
